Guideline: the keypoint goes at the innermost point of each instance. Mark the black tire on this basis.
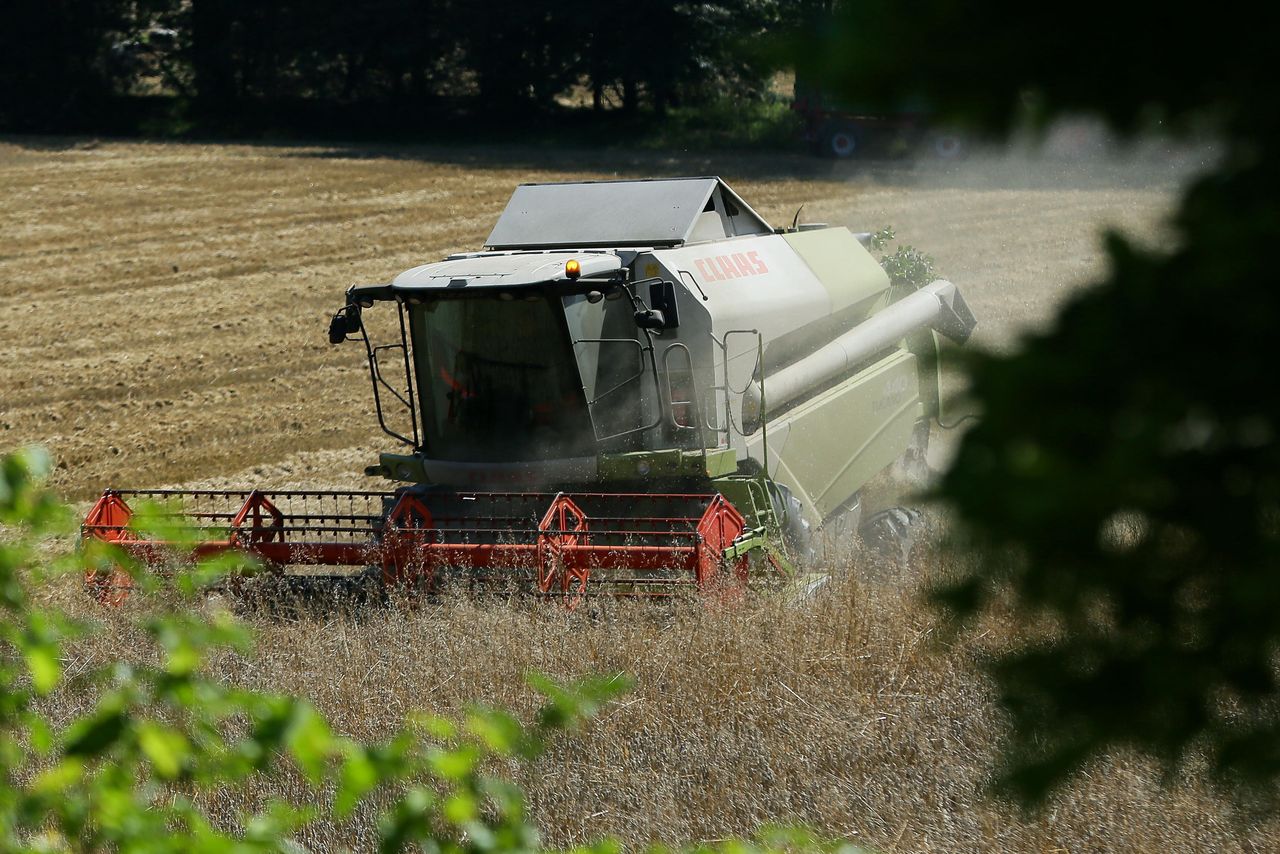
(945, 146)
(892, 532)
(840, 140)
(797, 538)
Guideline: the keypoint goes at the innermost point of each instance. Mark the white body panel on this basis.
(801, 319)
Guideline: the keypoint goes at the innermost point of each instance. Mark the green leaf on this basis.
(500, 731)
(184, 659)
(452, 764)
(66, 773)
(44, 665)
(570, 704)
(210, 570)
(36, 461)
(504, 795)
(310, 740)
(268, 828)
(612, 846)
(157, 520)
(460, 807)
(359, 776)
(435, 726)
(96, 735)
(408, 822)
(39, 733)
(480, 835)
(166, 748)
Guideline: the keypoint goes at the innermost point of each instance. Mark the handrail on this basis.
(757, 377)
(693, 390)
(375, 377)
(408, 376)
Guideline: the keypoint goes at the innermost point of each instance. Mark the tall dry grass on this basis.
(848, 712)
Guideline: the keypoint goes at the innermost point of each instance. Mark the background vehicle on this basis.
(836, 129)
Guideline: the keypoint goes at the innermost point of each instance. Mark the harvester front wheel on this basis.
(797, 538)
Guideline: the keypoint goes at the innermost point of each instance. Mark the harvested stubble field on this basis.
(162, 321)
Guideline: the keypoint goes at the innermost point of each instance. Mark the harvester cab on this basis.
(635, 385)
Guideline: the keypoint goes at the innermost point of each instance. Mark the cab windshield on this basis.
(498, 380)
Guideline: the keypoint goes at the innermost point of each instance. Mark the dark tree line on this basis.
(67, 64)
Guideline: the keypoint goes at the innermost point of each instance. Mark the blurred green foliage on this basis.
(737, 122)
(129, 775)
(1122, 493)
(126, 776)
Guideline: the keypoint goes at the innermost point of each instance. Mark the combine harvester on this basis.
(637, 388)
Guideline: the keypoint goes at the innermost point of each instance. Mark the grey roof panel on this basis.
(604, 213)
(510, 270)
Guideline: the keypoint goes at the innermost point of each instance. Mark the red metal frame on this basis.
(629, 544)
(559, 534)
(719, 526)
(405, 553)
(257, 508)
(108, 521)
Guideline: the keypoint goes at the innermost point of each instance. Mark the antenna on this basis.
(684, 273)
(795, 222)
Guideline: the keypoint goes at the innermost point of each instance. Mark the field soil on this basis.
(163, 316)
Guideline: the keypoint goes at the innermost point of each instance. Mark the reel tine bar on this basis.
(565, 545)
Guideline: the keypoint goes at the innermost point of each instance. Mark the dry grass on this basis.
(845, 712)
(162, 320)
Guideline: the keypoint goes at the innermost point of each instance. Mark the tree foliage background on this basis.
(1122, 491)
(99, 64)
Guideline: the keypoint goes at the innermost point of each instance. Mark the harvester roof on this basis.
(504, 269)
(596, 223)
(658, 212)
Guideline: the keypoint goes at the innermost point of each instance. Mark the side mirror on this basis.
(344, 323)
(651, 318)
(662, 296)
